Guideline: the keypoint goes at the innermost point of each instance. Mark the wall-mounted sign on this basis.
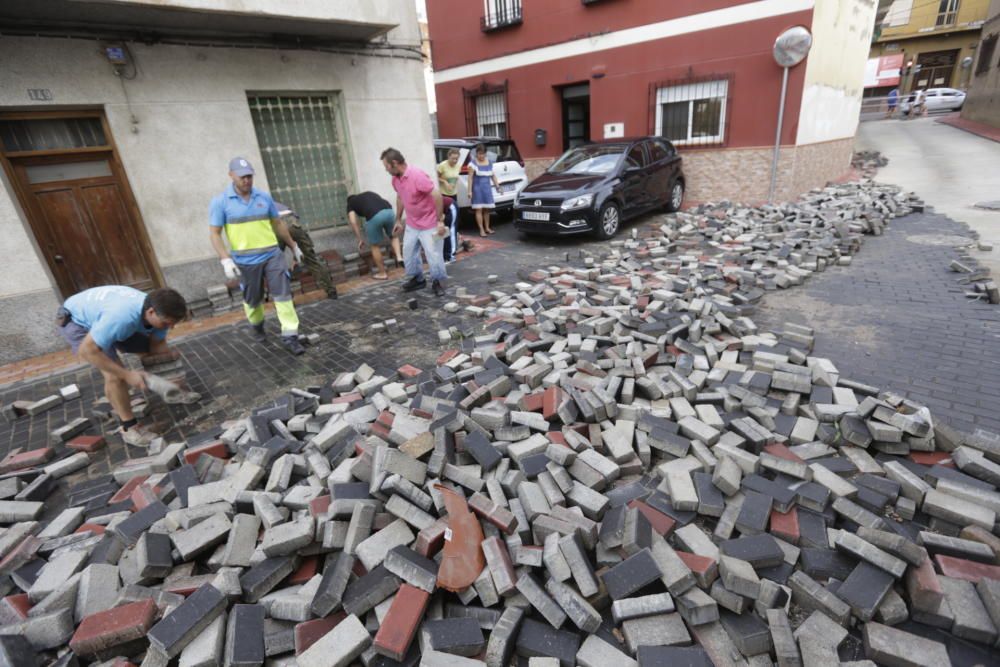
(39, 94)
(614, 130)
(883, 71)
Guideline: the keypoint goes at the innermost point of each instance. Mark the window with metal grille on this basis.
(304, 144)
(986, 50)
(691, 112)
(947, 12)
(486, 110)
(500, 14)
(491, 115)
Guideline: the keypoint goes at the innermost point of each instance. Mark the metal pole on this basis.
(777, 137)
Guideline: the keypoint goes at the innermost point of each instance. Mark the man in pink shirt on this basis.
(417, 196)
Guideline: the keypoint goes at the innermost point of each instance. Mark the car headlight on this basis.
(583, 201)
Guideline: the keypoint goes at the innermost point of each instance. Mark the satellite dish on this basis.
(966, 62)
(792, 46)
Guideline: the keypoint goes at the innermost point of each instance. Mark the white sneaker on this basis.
(138, 436)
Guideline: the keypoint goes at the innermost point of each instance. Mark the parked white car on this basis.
(944, 99)
(507, 165)
(937, 99)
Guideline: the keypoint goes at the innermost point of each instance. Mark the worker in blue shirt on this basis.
(253, 225)
(100, 322)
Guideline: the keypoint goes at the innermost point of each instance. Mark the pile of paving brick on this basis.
(619, 469)
(979, 279)
(868, 162)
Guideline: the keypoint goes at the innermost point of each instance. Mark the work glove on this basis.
(297, 254)
(229, 266)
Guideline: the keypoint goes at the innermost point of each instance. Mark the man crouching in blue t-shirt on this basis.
(100, 322)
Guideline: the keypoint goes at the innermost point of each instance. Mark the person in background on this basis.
(424, 228)
(447, 173)
(379, 220)
(893, 99)
(316, 265)
(450, 208)
(482, 180)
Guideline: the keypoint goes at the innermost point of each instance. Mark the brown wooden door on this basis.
(82, 220)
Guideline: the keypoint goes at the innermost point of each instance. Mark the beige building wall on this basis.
(834, 79)
(192, 116)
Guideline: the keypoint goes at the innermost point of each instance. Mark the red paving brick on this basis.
(318, 507)
(217, 449)
(551, 399)
(304, 572)
(310, 632)
(28, 459)
(87, 443)
(408, 371)
(932, 458)
(923, 585)
(105, 630)
(20, 554)
(533, 402)
(431, 539)
(94, 528)
(966, 569)
(701, 566)
(125, 493)
(143, 496)
(557, 437)
(786, 525)
(446, 356)
(782, 452)
(661, 523)
(21, 604)
(401, 622)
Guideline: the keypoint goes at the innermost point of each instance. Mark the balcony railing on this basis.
(501, 14)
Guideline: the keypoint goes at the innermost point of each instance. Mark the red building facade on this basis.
(552, 73)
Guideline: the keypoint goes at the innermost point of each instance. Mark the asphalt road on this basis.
(949, 168)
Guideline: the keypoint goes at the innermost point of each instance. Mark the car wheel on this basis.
(676, 197)
(608, 221)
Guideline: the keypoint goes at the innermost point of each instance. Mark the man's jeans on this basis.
(428, 239)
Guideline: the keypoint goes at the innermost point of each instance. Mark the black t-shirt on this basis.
(366, 204)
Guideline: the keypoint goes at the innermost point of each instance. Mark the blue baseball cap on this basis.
(240, 167)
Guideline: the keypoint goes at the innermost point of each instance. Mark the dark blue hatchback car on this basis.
(594, 187)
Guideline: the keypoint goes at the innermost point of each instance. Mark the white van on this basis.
(507, 165)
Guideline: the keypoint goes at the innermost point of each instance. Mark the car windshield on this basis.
(588, 160)
(501, 151)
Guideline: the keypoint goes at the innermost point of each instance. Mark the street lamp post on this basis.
(790, 49)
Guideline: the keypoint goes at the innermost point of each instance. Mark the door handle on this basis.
(58, 259)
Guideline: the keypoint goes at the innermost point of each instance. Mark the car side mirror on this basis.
(631, 170)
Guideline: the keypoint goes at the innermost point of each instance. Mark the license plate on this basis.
(508, 187)
(533, 215)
